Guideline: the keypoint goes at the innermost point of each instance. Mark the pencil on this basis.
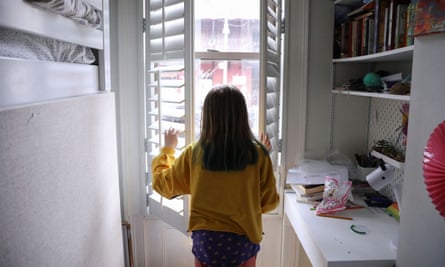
(354, 207)
(335, 216)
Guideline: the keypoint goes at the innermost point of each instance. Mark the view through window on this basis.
(227, 44)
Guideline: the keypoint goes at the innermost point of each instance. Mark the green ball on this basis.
(372, 80)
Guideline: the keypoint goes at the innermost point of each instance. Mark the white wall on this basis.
(319, 80)
(59, 191)
(127, 79)
(422, 229)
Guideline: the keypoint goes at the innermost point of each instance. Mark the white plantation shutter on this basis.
(168, 88)
(166, 32)
(271, 72)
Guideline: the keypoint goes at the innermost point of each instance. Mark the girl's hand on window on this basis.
(264, 139)
(171, 138)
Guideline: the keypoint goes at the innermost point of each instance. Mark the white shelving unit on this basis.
(396, 55)
(381, 110)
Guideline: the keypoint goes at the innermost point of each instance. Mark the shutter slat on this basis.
(175, 27)
(174, 12)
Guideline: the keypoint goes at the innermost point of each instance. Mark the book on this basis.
(393, 6)
(307, 201)
(359, 33)
(308, 193)
(344, 39)
(385, 30)
(364, 37)
(371, 29)
(308, 189)
(400, 31)
(312, 197)
(354, 38)
(410, 23)
(364, 22)
(379, 25)
(396, 77)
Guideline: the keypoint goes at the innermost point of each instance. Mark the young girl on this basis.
(230, 178)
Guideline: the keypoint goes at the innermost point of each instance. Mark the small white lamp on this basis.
(382, 176)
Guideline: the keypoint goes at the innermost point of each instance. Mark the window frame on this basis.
(190, 57)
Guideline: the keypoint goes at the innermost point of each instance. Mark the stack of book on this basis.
(308, 193)
(377, 26)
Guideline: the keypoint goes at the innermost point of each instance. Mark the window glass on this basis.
(244, 74)
(228, 25)
(235, 32)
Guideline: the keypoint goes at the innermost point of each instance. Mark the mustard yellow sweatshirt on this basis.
(226, 201)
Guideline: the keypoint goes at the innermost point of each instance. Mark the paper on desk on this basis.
(298, 176)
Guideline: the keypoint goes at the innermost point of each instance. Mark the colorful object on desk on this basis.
(359, 229)
(335, 195)
(394, 211)
(434, 167)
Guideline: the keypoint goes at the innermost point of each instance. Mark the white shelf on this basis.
(396, 164)
(376, 95)
(399, 54)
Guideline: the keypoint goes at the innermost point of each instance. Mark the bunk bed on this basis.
(51, 49)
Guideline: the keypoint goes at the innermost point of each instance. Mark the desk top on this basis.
(330, 242)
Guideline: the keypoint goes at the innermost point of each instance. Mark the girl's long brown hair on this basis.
(226, 139)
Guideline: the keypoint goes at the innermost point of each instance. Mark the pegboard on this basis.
(385, 122)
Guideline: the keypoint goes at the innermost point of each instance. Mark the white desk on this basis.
(330, 242)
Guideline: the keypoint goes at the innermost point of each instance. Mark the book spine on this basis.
(354, 38)
(395, 15)
(364, 36)
(375, 47)
(410, 23)
(385, 30)
(391, 22)
(400, 34)
(371, 34)
(379, 25)
(344, 40)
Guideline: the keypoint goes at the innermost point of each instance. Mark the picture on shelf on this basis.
(430, 17)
